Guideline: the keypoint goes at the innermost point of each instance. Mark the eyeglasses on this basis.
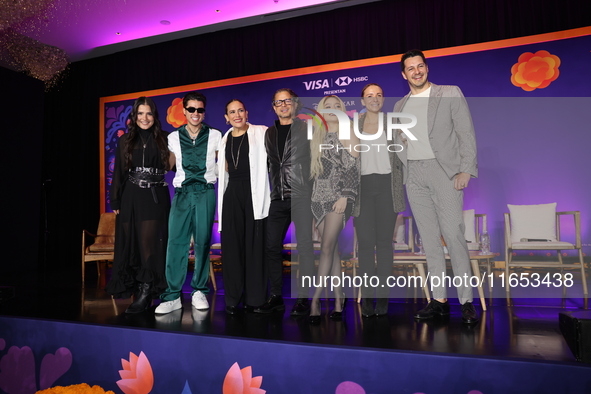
(278, 103)
(193, 109)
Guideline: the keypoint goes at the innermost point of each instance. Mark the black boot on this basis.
(142, 299)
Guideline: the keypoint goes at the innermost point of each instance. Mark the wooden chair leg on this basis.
(583, 274)
(83, 249)
(212, 276)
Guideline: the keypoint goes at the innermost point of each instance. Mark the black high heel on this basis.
(315, 319)
(334, 315)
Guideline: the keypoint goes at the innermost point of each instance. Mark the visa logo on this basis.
(318, 84)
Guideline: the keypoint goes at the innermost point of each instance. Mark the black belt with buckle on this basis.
(148, 178)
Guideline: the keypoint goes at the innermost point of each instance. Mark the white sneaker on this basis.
(169, 306)
(199, 301)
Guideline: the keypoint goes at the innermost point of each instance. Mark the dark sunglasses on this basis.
(193, 109)
(278, 103)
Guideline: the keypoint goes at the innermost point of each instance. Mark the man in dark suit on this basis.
(438, 166)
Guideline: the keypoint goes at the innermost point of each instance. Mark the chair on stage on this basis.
(537, 227)
(403, 241)
(103, 248)
(475, 226)
(404, 238)
(212, 258)
(293, 247)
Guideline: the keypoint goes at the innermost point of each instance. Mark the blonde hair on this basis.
(316, 168)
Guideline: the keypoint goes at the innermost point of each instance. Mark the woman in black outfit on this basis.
(244, 198)
(141, 200)
(381, 196)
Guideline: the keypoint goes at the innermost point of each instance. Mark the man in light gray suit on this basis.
(438, 166)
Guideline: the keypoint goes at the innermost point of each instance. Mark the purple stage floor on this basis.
(526, 330)
(516, 348)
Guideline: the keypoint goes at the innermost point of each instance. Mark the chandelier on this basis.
(23, 53)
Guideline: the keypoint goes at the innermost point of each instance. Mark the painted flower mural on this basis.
(240, 381)
(175, 115)
(136, 375)
(348, 387)
(17, 369)
(535, 70)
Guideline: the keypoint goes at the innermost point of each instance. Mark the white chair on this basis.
(403, 241)
(537, 227)
(404, 238)
(475, 225)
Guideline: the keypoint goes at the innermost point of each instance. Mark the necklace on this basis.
(192, 135)
(237, 159)
(144, 144)
(286, 142)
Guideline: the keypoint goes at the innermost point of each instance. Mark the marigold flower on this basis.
(82, 388)
(535, 70)
(175, 115)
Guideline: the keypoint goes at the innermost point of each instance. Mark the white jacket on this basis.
(259, 177)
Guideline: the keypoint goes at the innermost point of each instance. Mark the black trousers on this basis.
(281, 214)
(375, 230)
(243, 242)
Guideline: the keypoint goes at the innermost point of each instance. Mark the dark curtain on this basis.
(22, 182)
(71, 127)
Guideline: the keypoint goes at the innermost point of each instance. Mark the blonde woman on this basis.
(335, 171)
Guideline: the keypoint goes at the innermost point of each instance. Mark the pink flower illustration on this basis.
(348, 387)
(240, 381)
(351, 113)
(136, 375)
(17, 371)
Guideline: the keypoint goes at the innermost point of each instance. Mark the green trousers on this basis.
(191, 214)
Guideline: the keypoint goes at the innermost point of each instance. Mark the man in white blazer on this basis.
(438, 166)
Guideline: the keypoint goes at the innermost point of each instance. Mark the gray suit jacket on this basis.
(451, 131)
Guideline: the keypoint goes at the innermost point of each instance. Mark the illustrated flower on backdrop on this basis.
(17, 369)
(535, 70)
(136, 375)
(240, 381)
(174, 113)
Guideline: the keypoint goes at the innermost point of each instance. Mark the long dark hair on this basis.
(133, 135)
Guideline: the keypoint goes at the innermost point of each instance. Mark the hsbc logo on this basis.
(343, 81)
